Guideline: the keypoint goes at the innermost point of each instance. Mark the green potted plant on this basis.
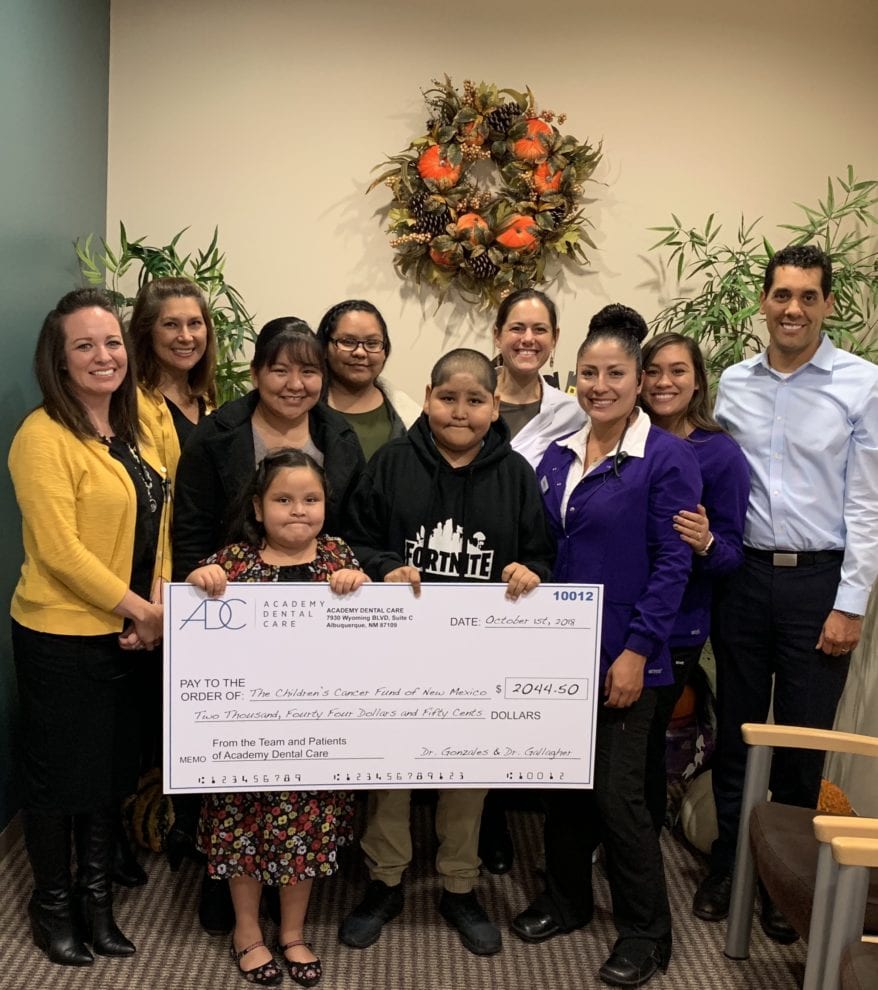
(721, 309)
(101, 265)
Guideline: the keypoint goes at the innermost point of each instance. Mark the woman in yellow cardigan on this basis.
(91, 490)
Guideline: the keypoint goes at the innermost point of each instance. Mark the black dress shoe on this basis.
(775, 925)
(711, 901)
(127, 872)
(495, 843)
(498, 859)
(180, 845)
(534, 925)
(620, 971)
(215, 911)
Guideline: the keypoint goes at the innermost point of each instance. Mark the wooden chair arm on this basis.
(855, 852)
(829, 827)
(796, 737)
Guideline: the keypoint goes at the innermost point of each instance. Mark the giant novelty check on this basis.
(290, 687)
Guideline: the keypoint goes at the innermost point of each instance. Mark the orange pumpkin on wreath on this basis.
(532, 147)
(444, 259)
(519, 234)
(435, 166)
(472, 222)
(546, 179)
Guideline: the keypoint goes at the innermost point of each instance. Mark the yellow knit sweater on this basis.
(78, 507)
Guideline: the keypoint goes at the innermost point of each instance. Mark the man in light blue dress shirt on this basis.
(806, 416)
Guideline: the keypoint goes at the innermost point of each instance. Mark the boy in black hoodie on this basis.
(450, 501)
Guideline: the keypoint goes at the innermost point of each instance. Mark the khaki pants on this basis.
(387, 841)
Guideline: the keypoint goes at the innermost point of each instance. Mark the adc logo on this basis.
(214, 613)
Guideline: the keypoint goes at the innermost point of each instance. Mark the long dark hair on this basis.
(244, 527)
(50, 368)
(700, 412)
(147, 307)
(335, 313)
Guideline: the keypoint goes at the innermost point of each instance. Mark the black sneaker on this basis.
(363, 925)
(477, 932)
(711, 901)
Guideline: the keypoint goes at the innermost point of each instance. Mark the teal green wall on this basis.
(54, 90)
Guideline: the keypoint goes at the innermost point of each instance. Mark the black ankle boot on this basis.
(94, 890)
(54, 924)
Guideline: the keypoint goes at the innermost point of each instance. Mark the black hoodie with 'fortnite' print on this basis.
(411, 506)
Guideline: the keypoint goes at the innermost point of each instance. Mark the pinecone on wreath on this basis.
(558, 213)
(483, 267)
(500, 119)
(429, 221)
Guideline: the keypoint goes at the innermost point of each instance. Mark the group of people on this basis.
(127, 475)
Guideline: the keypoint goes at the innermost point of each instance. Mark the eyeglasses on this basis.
(349, 344)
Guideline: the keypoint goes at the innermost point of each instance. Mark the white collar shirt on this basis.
(634, 446)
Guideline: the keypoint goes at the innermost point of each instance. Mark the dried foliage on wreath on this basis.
(490, 198)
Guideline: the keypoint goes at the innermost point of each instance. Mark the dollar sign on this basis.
(498, 689)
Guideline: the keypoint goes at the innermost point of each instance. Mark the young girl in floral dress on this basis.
(286, 838)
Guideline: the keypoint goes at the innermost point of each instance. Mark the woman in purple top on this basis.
(611, 492)
(677, 397)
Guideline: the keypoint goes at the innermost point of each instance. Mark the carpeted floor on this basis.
(417, 950)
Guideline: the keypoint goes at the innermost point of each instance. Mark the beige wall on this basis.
(266, 117)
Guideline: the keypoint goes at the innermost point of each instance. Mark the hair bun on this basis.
(617, 319)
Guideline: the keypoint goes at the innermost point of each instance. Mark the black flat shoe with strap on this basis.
(306, 974)
(269, 974)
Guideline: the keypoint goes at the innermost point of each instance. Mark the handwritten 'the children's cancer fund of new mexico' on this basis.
(290, 687)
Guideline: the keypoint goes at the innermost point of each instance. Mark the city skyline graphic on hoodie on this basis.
(443, 553)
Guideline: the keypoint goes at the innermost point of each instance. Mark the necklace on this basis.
(142, 472)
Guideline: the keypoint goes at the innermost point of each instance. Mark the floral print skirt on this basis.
(276, 837)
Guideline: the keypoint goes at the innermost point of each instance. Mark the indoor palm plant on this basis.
(232, 322)
(720, 280)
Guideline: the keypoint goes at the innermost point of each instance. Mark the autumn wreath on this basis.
(490, 196)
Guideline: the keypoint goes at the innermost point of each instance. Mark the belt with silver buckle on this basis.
(794, 558)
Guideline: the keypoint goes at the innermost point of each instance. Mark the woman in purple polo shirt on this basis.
(676, 395)
(611, 492)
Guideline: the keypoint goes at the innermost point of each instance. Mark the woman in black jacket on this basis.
(283, 410)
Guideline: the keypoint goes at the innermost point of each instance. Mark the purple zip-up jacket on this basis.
(619, 532)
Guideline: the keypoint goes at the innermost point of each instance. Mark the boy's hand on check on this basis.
(519, 580)
(406, 575)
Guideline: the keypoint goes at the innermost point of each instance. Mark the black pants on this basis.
(766, 623)
(684, 660)
(614, 814)
(79, 727)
